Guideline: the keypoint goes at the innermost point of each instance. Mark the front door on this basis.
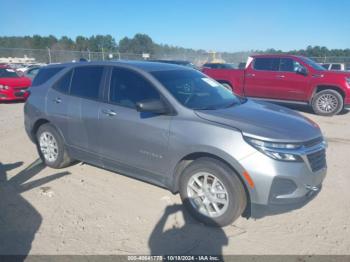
(291, 85)
(139, 140)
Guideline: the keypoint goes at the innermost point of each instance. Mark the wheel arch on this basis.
(36, 126)
(189, 158)
(38, 123)
(320, 88)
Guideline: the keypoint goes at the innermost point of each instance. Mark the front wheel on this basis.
(212, 192)
(327, 103)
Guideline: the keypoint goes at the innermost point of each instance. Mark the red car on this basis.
(288, 79)
(12, 86)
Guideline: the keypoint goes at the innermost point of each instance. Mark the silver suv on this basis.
(177, 128)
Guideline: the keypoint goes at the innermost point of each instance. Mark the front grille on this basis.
(20, 88)
(317, 160)
(313, 142)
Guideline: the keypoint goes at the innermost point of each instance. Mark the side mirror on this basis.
(152, 106)
(301, 70)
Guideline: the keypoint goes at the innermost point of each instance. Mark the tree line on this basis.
(140, 43)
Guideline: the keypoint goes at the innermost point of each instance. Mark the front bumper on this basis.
(347, 100)
(13, 94)
(285, 185)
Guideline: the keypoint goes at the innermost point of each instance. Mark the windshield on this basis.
(8, 73)
(313, 64)
(195, 90)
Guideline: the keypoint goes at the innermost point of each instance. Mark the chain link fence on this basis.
(47, 56)
(19, 55)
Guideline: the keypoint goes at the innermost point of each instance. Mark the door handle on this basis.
(280, 76)
(250, 75)
(57, 100)
(109, 112)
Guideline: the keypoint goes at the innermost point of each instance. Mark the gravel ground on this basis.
(86, 210)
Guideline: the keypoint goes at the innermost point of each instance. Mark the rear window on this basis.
(86, 81)
(326, 66)
(45, 74)
(267, 64)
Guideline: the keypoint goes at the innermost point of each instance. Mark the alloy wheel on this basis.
(207, 194)
(327, 103)
(48, 146)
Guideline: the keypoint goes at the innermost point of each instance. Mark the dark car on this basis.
(175, 62)
(220, 65)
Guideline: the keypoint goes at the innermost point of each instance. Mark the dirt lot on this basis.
(86, 210)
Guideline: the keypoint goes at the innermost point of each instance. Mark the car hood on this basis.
(265, 121)
(16, 82)
(334, 73)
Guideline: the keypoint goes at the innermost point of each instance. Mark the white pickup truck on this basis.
(336, 66)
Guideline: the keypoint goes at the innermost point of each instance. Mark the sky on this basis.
(220, 25)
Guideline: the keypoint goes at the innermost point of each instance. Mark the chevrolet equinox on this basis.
(177, 128)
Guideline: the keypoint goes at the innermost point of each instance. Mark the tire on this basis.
(226, 180)
(59, 156)
(327, 103)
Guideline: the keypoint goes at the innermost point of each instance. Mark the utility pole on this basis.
(49, 52)
(103, 55)
(89, 54)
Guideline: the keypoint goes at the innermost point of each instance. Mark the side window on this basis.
(86, 81)
(287, 65)
(267, 64)
(45, 74)
(63, 84)
(128, 87)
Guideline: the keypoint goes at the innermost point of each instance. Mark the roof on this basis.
(143, 65)
(276, 55)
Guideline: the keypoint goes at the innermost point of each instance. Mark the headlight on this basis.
(3, 87)
(348, 80)
(278, 151)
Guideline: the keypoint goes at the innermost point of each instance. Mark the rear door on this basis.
(85, 97)
(137, 140)
(262, 78)
(58, 103)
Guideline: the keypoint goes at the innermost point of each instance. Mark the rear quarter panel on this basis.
(34, 108)
(235, 77)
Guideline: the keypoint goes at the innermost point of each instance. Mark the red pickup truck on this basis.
(288, 79)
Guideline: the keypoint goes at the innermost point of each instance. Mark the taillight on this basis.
(26, 94)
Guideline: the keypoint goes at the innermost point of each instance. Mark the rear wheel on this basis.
(327, 103)
(212, 192)
(51, 147)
